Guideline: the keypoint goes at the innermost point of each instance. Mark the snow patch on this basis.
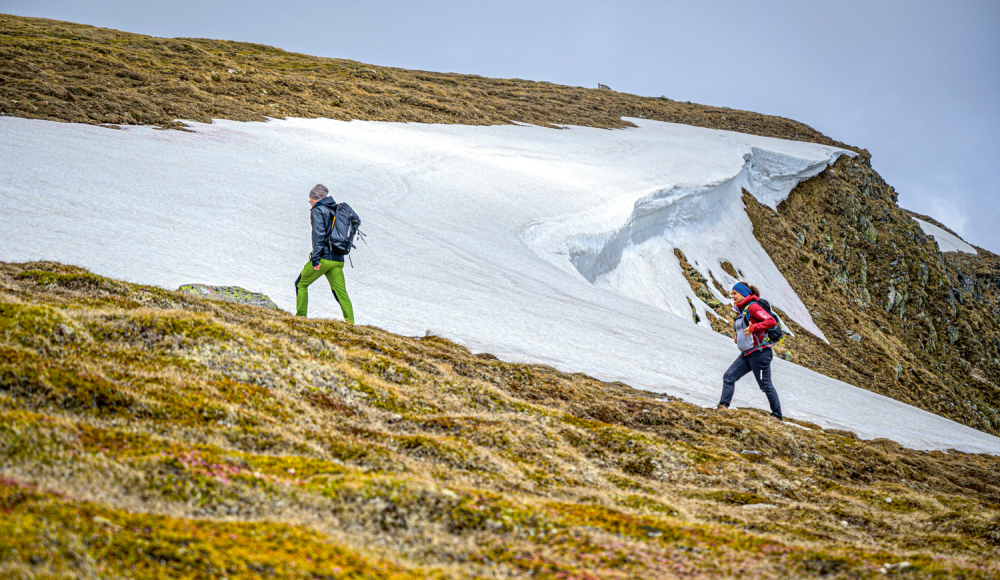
(946, 241)
(472, 233)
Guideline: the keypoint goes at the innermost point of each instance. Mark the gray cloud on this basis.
(915, 82)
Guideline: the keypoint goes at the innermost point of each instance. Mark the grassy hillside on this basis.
(71, 72)
(147, 433)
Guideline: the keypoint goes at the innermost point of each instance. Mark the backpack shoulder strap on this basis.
(333, 220)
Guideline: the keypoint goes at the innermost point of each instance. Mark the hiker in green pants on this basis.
(323, 261)
(334, 272)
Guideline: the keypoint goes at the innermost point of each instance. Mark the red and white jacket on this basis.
(760, 322)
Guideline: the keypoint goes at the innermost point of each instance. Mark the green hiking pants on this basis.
(334, 272)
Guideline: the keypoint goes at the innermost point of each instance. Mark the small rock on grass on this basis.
(229, 294)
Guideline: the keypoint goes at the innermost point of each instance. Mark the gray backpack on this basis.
(343, 229)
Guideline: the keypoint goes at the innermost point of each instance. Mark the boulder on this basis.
(229, 294)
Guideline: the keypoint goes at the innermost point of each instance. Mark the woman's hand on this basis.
(748, 330)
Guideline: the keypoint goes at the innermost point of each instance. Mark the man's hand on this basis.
(316, 267)
(748, 330)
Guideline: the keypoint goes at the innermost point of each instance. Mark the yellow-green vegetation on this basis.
(148, 434)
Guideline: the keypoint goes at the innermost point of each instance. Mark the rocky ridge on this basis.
(904, 319)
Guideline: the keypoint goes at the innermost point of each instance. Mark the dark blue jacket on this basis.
(321, 216)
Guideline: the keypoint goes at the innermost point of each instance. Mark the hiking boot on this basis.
(721, 407)
(778, 417)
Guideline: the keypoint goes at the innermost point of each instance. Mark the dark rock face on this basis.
(919, 325)
(229, 294)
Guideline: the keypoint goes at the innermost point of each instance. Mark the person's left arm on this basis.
(320, 227)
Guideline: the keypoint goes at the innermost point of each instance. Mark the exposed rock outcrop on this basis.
(229, 294)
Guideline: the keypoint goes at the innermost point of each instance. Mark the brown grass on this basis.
(134, 417)
(71, 72)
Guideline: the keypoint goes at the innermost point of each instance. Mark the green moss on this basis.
(78, 280)
(435, 449)
(41, 530)
(322, 399)
(151, 328)
(886, 498)
(700, 455)
(548, 476)
(253, 397)
(26, 436)
(204, 474)
(28, 324)
(732, 497)
(640, 502)
(40, 383)
(642, 465)
(582, 423)
(484, 511)
(641, 527)
(627, 484)
(387, 369)
(383, 397)
(603, 441)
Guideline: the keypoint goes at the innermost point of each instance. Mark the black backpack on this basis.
(774, 335)
(343, 229)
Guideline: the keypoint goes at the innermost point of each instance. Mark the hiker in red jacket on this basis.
(752, 324)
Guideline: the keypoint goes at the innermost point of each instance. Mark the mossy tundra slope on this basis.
(147, 433)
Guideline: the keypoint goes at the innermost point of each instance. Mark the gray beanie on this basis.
(319, 192)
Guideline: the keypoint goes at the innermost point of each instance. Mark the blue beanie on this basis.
(743, 289)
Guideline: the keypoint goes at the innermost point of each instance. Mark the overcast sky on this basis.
(917, 83)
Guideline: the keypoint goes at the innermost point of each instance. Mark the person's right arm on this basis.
(761, 321)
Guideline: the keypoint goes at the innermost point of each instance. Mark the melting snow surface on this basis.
(946, 241)
(537, 245)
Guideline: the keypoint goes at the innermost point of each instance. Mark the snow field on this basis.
(946, 241)
(537, 245)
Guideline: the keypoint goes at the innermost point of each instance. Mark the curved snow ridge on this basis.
(707, 222)
(772, 175)
(946, 241)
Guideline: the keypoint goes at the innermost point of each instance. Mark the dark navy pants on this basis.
(759, 363)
